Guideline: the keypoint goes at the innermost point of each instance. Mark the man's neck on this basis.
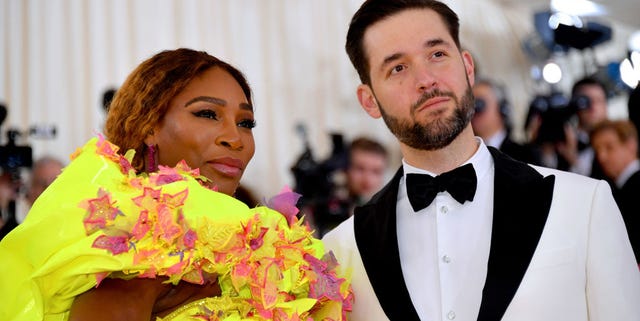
(446, 158)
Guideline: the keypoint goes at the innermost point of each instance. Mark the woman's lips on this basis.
(228, 166)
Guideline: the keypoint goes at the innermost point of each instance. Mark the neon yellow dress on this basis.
(99, 219)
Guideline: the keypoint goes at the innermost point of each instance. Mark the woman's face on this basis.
(209, 125)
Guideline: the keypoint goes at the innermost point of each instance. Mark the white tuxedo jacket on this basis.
(564, 254)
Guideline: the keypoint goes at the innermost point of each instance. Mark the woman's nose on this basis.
(230, 137)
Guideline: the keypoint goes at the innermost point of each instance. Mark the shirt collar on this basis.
(496, 139)
(627, 172)
(481, 160)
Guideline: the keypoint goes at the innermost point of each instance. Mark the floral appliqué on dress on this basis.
(267, 263)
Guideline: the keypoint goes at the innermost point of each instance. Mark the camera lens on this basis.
(480, 105)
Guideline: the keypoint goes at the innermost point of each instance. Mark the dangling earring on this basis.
(152, 166)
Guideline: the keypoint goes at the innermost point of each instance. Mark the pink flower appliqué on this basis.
(114, 244)
(326, 284)
(100, 210)
(285, 203)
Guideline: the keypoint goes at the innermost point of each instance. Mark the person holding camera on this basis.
(492, 122)
(589, 101)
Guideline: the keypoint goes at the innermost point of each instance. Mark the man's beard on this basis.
(438, 133)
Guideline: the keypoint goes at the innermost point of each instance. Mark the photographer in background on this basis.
(324, 202)
(15, 159)
(333, 187)
(559, 128)
(589, 96)
(549, 129)
(492, 121)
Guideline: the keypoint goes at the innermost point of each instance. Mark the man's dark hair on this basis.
(368, 145)
(373, 11)
(589, 81)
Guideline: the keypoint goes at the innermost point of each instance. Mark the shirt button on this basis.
(451, 315)
(446, 259)
(444, 209)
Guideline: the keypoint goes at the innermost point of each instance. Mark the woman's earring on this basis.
(152, 164)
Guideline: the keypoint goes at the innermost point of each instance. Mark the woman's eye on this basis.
(206, 113)
(247, 123)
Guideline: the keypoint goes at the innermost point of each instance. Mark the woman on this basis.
(134, 229)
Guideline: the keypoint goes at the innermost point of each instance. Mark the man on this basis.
(589, 99)
(45, 170)
(491, 121)
(616, 147)
(368, 161)
(358, 174)
(512, 242)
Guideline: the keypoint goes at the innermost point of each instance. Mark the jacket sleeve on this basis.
(613, 277)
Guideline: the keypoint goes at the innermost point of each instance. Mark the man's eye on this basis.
(438, 54)
(247, 123)
(397, 69)
(206, 113)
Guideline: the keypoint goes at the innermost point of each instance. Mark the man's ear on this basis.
(469, 67)
(368, 101)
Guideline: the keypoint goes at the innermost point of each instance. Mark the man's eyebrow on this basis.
(213, 100)
(389, 59)
(427, 44)
(434, 42)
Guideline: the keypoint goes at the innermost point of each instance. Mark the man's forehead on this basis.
(392, 34)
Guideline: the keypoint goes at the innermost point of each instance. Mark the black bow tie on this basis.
(460, 183)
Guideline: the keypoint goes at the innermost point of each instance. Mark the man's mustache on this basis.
(431, 94)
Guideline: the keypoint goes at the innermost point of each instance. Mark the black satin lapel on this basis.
(377, 240)
(522, 198)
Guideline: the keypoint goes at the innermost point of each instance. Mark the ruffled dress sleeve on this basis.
(99, 219)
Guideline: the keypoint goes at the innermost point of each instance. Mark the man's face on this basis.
(365, 174)
(420, 81)
(489, 121)
(41, 178)
(597, 111)
(613, 154)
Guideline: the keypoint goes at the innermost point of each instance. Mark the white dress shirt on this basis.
(444, 248)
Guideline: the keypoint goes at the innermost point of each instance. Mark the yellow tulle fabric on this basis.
(99, 219)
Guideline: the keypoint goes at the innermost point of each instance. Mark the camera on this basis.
(14, 156)
(555, 111)
(323, 183)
